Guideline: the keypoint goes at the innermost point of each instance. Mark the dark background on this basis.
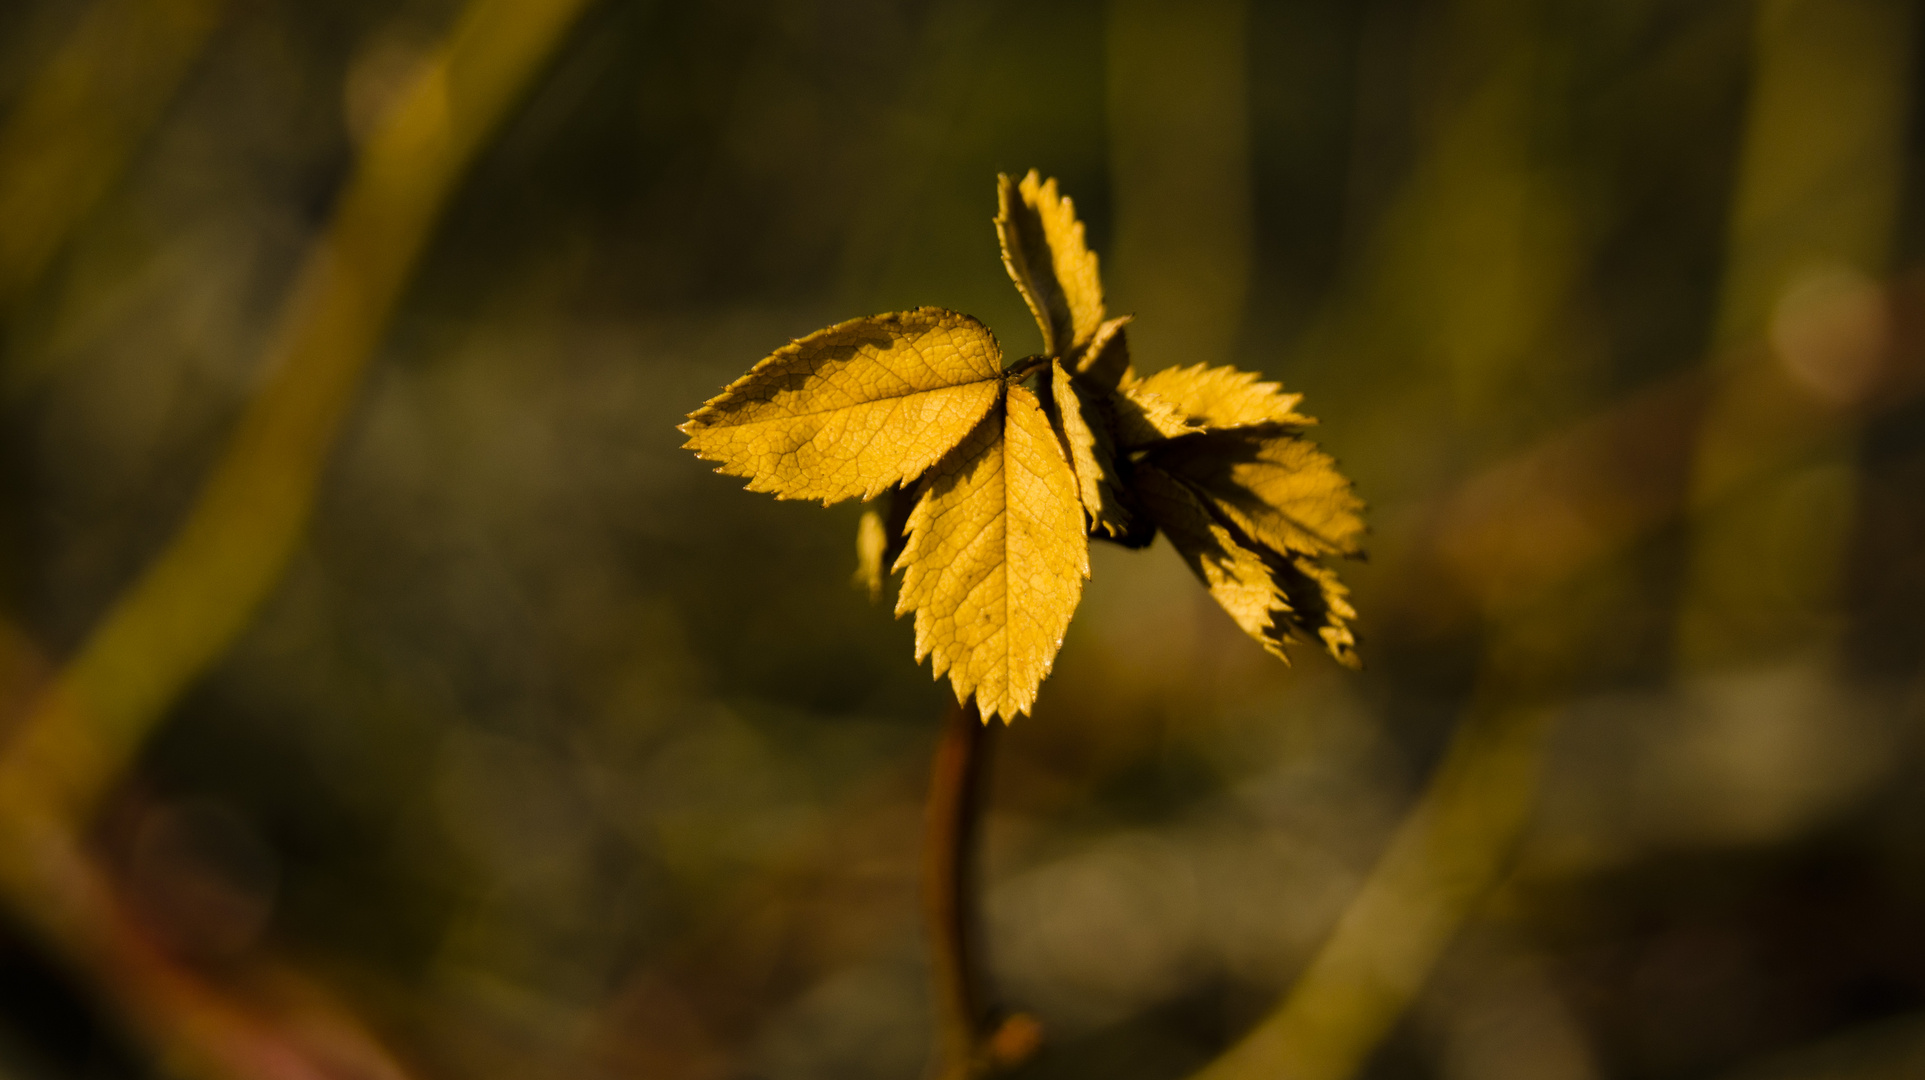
(555, 754)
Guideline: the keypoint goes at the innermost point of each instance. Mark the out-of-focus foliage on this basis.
(552, 754)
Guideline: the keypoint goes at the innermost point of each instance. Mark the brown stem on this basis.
(1024, 368)
(948, 879)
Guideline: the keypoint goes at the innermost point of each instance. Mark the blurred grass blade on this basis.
(193, 1026)
(1803, 328)
(1179, 129)
(80, 118)
(191, 602)
(1445, 856)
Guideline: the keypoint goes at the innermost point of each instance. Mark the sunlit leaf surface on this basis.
(1223, 397)
(1279, 489)
(850, 410)
(998, 477)
(1092, 452)
(1044, 251)
(996, 558)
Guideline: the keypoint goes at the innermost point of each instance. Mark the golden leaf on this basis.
(994, 495)
(1092, 454)
(852, 409)
(1105, 361)
(1279, 489)
(879, 539)
(870, 540)
(1145, 418)
(1320, 605)
(1234, 574)
(1269, 596)
(1223, 397)
(1044, 252)
(996, 558)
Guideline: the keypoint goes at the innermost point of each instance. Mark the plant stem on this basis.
(948, 882)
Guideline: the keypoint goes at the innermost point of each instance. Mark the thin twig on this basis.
(948, 858)
(1446, 856)
(187, 607)
(82, 117)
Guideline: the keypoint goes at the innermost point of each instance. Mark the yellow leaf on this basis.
(996, 558)
(1320, 604)
(1280, 490)
(1269, 596)
(852, 409)
(879, 539)
(1145, 418)
(1105, 361)
(1044, 252)
(870, 540)
(1092, 455)
(1234, 574)
(1223, 397)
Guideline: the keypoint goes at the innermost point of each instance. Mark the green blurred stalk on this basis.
(1179, 132)
(1445, 856)
(1815, 187)
(80, 119)
(1469, 271)
(1802, 329)
(195, 598)
(188, 606)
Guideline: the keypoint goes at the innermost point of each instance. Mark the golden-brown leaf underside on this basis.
(996, 558)
(1044, 252)
(1267, 594)
(1280, 490)
(850, 410)
(1086, 431)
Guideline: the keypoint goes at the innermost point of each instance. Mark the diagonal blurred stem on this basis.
(948, 880)
(1505, 538)
(1445, 856)
(81, 732)
(195, 598)
(80, 118)
(190, 1025)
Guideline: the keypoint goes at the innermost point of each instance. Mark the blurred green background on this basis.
(552, 753)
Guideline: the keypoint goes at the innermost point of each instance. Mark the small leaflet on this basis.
(1046, 256)
(996, 558)
(879, 538)
(1234, 573)
(870, 540)
(1279, 489)
(1092, 453)
(1224, 397)
(1270, 596)
(850, 410)
(1105, 361)
(1144, 418)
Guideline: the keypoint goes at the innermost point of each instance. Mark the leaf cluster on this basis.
(989, 479)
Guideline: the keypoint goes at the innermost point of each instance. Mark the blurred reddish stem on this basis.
(271, 1024)
(958, 785)
(948, 877)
